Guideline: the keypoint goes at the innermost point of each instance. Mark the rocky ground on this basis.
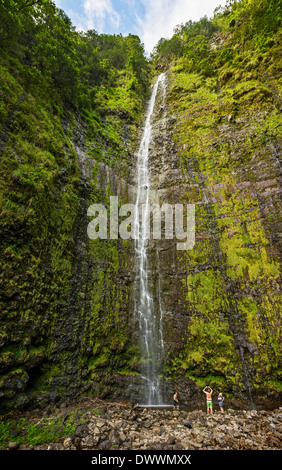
(127, 427)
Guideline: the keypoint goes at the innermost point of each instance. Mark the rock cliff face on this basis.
(221, 299)
(219, 302)
(67, 302)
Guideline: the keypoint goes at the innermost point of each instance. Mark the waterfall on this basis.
(150, 329)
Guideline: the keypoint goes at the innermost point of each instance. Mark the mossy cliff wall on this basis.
(223, 298)
(65, 319)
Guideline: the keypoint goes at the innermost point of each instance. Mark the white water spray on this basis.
(150, 331)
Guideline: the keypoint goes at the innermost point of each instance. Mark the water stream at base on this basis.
(150, 329)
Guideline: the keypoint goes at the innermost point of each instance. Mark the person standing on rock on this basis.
(208, 391)
(175, 401)
(220, 402)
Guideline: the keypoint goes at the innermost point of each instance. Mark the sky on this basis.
(151, 20)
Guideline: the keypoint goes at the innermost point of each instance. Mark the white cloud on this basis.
(93, 14)
(163, 15)
(150, 19)
(98, 11)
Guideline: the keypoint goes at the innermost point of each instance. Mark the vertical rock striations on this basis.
(65, 299)
(227, 290)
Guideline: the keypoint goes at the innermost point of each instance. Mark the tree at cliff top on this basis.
(248, 22)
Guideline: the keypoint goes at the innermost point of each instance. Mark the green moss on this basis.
(99, 361)
(226, 124)
(205, 291)
(126, 371)
(118, 100)
(63, 291)
(29, 432)
(209, 355)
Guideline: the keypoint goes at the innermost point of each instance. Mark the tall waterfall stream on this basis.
(150, 328)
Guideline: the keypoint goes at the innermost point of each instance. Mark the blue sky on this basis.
(151, 20)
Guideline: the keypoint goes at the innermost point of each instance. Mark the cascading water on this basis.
(149, 326)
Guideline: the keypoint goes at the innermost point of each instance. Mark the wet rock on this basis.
(81, 431)
(105, 445)
(13, 445)
(67, 444)
(154, 429)
(89, 442)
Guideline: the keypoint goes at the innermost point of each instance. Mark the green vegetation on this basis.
(244, 24)
(71, 106)
(225, 86)
(61, 90)
(31, 431)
